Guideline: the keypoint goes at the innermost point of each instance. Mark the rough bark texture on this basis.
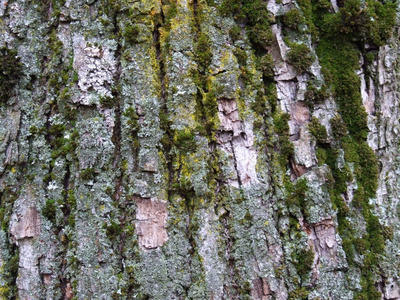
(192, 149)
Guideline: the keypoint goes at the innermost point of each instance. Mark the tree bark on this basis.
(193, 149)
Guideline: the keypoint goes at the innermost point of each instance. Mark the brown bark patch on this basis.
(261, 290)
(300, 113)
(150, 225)
(298, 170)
(27, 225)
(46, 279)
(68, 292)
(228, 115)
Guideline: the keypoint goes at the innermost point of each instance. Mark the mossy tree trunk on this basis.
(193, 149)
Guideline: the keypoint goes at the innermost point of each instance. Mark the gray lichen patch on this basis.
(96, 67)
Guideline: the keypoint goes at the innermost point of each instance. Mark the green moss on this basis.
(300, 56)
(170, 14)
(87, 174)
(304, 260)
(321, 156)
(349, 249)
(369, 169)
(265, 64)
(210, 104)
(230, 7)
(9, 274)
(342, 177)
(339, 128)
(70, 112)
(316, 95)
(235, 32)
(259, 104)
(64, 94)
(207, 113)
(133, 125)
(281, 123)
(55, 44)
(256, 17)
(370, 23)
(7, 198)
(318, 131)
(109, 191)
(10, 72)
(247, 219)
(4, 219)
(312, 10)
(383, 18)
(113, 230)
(375, 234)
(57, 130)
(33, 130)
(75, 77)
(203, 54)
(71, 221)
(261, 35)
(107, 101)
(387, 232)
(185, 140)
(285, 146)
(62, 146)
(105, 21)
(131, 33)
(339, 60)
(343, 209)
(368, 292)
(286, 149)
(241, 56)
(296, 196)
(361, 245)
(359, 198)
(372, 244)
(132, 122)
(366, 165)
(307, 8)
(65, 149)
(48, 177)
(293, 19)
(257, 12)
(299, 294)
(339, 38)
(49, 210)
(270, 92)
(71, 199)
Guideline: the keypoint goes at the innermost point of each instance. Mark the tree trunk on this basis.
(199, 149)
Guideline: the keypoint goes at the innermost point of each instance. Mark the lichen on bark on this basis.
(199, 149)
